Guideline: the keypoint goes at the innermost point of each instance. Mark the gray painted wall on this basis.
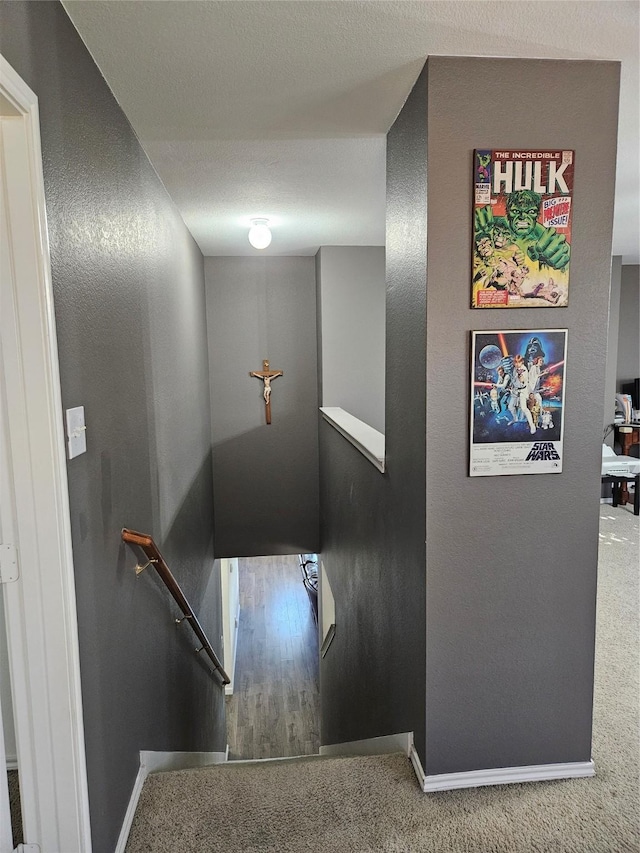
(265, 477)
(629, 328)
(373, 524)
(511, 618)
(129, 299)
(352, 289)
(612, 349)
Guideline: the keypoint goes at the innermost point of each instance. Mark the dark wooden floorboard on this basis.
(275, 709)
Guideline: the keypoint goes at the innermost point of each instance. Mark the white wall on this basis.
(230, 615)
(351, 303)
(5, 691)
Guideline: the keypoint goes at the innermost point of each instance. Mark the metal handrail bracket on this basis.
(155, 559)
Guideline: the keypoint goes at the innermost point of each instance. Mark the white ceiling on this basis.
(279, 108)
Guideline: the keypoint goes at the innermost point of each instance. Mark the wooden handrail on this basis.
(146, 543)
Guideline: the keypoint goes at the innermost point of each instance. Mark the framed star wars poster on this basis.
(517, 402)
(522, 228)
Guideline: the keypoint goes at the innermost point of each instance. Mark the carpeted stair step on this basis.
(285, 806)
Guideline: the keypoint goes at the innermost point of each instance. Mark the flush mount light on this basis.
(259, 233)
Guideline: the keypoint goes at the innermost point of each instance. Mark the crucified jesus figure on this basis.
(266, 375)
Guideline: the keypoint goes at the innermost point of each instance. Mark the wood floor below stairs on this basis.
(275, 709)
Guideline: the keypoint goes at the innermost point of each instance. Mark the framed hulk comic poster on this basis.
(522, 228)
(517, 402)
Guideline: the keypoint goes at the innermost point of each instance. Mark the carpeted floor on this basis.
(367, 804)
(14, 806)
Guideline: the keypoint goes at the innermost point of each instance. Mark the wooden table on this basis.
(626, 435)
(626, 439)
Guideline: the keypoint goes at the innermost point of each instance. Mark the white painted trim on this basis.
(402, 742)
(161, 762)
(499, 775)
(228, 688)
(417, 764)
(329, 638)
(40, 606)
(131, 809)
(314, 756)
(364, 438)
(508, 775)
(230, 589)
(6, 839)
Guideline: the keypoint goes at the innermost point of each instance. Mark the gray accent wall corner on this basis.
(511, 561)
(502, 600)
(265, 476)
(373, 524)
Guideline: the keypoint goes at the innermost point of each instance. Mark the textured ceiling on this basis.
(279, 108)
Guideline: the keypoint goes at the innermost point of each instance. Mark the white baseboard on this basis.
(156, 762)
(228, 688)
(12, 762)
(371, 746)
(160, 762)
(500, 775)
(414, 758)
(131, 809)
(312, 756)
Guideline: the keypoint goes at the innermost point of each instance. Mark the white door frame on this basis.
(40, 605)
(230, 586)
(7, 502)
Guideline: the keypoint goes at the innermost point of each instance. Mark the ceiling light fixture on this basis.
(259, 233)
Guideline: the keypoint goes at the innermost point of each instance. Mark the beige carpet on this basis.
(367, 804)
(14, 806)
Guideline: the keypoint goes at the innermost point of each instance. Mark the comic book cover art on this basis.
(517, 402)
(522, 228)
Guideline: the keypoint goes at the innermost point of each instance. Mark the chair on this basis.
(618, 470)
(309, 568)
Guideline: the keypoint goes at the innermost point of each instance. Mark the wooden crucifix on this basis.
(266, 375)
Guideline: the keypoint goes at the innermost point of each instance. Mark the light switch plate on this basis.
(76, 432)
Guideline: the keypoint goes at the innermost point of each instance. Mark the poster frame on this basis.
(515, 264)
(508, 457)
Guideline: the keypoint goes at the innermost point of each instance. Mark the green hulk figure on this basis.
(521, 225)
